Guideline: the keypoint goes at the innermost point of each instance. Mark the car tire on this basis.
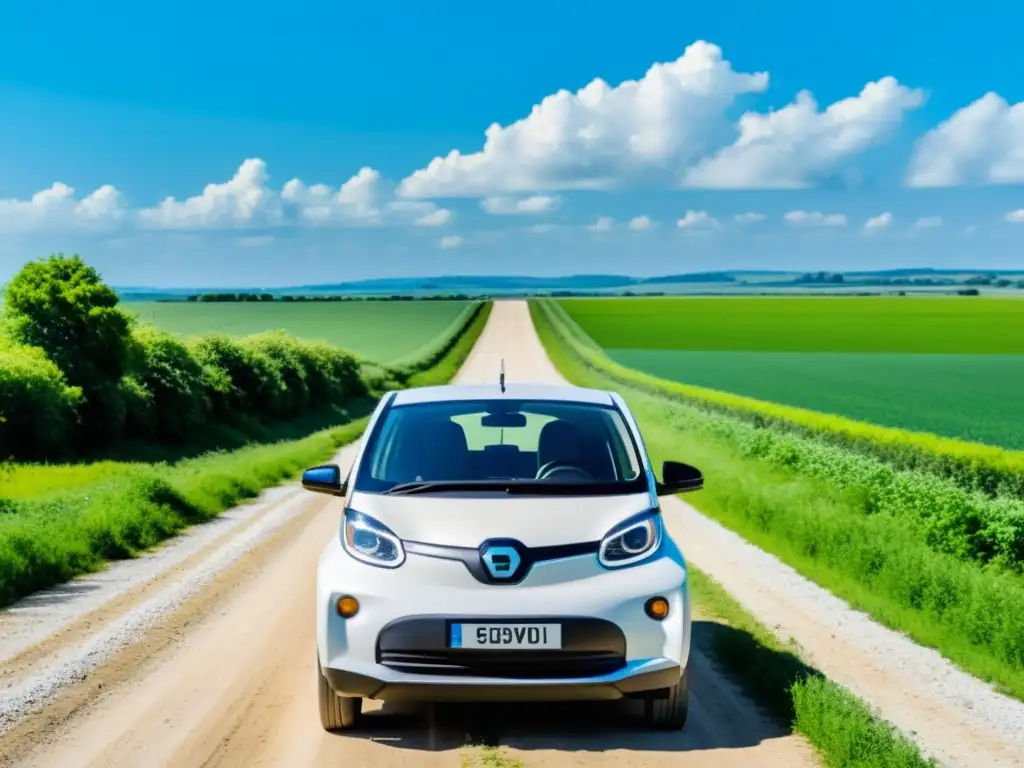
(668, 712)
(337, 713)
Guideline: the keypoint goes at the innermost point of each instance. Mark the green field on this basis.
(970, 397)
(952, 367)
(959, 325)
(385, 331)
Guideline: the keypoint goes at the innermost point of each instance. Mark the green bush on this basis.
(177, 382)
(332, 374)
(61, 305)
(289, 366)
(240, 379)
(37, 407)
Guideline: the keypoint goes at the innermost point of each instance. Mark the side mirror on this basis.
(677, 477)
(325, 479)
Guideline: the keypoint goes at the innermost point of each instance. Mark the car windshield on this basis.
(535, 446)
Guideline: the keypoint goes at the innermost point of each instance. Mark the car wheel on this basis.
(668, 713)
(337, 713)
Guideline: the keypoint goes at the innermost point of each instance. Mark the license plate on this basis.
(506, 636)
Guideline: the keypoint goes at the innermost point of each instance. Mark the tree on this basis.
(61, 305)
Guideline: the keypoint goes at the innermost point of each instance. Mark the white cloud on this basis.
(255, 241)
(640, 222)
(418, 212)
(815, 219)
(795, 146)
(881, 221)
(57, 208)
(451, 241)
(698, 220)
(749, 218)
(982, 143)
(600, 135)
(357, 200)
(928, 222)
(245, 200)
(603, 224)
(503, 206)
(1015, 217)
(436, 218)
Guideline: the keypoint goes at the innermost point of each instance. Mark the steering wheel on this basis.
(556, 466)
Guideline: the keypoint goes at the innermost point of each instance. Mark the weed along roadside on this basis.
(115, 510)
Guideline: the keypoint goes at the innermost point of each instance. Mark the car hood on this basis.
(462, 521)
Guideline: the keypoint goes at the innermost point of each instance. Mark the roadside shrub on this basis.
(236, 377)
(176, 381)
(61, 305)
(140, 414)
(378, 379)
(37, 407)
(332, 374)
(288, 365)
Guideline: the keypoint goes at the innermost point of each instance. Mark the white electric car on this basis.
(502, 543)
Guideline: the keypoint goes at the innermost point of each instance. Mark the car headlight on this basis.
(631, 541)
(370, 541)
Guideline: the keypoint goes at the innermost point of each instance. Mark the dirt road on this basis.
(227, 678)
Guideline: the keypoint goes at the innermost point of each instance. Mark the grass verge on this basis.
(877, 561)
(838, 725)
(127, 509)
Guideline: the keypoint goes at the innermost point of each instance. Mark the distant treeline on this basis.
(261, 297)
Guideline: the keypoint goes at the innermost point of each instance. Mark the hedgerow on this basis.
(37, 407)
(84, 514)
(144, 384)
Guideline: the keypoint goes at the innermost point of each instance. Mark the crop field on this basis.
(949, 366)
(384, 331)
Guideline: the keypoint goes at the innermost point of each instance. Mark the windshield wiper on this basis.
(538, 487)
(428, 486)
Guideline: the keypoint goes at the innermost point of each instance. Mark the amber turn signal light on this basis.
(347, 607)
(656, 608)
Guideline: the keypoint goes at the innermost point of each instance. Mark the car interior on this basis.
(576, 445)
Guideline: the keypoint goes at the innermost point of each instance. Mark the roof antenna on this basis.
(501, 376)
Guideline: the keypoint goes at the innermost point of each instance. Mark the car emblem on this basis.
(501, 562)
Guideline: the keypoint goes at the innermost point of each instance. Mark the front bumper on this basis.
(635, 679)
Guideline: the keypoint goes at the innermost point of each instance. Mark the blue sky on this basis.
(317, 124)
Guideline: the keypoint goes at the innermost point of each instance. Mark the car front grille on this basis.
(510, 664)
